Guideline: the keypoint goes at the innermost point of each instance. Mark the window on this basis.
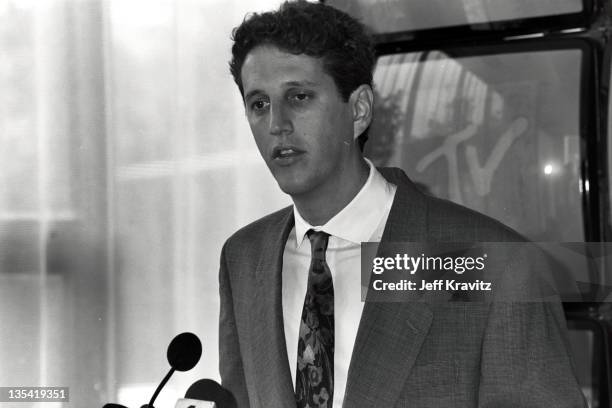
(498, 133)
(390, 16)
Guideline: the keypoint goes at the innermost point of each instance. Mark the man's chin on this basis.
(292, 187)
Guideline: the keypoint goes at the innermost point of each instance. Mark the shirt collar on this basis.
(368, 207)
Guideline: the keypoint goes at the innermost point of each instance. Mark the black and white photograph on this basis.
(305, 203)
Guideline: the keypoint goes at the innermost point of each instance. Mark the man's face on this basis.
(302, 127)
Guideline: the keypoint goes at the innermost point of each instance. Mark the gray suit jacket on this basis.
(406, 354)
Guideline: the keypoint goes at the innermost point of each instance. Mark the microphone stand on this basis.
(159, 387)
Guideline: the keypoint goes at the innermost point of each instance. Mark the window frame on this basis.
(591, 10)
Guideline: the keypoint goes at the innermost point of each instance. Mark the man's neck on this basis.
(319, 208)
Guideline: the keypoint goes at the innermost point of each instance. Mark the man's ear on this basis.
(362, 102)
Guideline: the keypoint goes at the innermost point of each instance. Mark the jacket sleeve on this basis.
(525, 359)
(230, 358)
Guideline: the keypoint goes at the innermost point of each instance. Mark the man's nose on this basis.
(280, 121)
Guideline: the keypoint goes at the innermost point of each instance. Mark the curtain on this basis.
(126, 161)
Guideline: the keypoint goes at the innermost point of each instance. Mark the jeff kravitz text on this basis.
(437, 284)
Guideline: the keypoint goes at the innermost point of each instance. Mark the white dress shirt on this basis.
(362, 220)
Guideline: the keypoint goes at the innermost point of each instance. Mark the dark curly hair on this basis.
(314, 29)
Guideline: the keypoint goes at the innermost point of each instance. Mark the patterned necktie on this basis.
(314, 381)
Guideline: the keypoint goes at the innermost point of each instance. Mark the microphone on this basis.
(184, 351)
(207, 390)
(183, 354)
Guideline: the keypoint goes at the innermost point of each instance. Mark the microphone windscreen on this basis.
(184, 351)
(207, 390)
(210, 390)
(113, 406)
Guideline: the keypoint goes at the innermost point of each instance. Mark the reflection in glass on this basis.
(390, 16)
(496, 133)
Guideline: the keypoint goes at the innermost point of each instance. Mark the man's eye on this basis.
(259, 105)
(301, 96)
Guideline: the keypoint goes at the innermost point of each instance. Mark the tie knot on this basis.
(318, 243)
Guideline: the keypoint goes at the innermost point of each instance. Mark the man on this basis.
(293, 329)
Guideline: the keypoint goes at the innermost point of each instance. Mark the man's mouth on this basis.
(286, 155)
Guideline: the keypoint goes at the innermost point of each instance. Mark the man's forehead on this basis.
(271, 64)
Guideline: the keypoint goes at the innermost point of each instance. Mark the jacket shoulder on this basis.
(443, 220)
(259, 231)
(450, 220)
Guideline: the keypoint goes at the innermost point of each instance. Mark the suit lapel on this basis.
(388, 341)
(390, 335)
(268, 345)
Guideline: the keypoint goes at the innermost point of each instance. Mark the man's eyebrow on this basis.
(252, 93)
(287, 84)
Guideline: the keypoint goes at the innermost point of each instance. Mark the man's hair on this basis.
(314, 29)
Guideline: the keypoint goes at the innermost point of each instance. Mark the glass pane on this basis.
(384, 16)
(18, 153)
(20, 328)
(19, 247)
(496, 133)
(34, 93)
(144, 224)
(143, 80)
